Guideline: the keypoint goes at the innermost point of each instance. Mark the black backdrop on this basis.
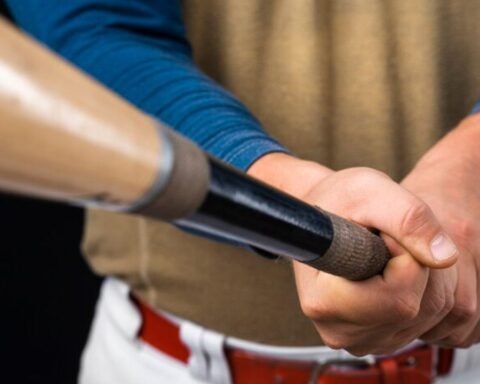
(47, 292)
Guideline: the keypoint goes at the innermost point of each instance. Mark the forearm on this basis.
(460, 144)
(446, 179)
(139, 49)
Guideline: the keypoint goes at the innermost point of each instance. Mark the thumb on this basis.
(372, 199)
(415, 229)
(422, 235)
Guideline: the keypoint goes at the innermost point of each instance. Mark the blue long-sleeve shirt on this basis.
(139, 49)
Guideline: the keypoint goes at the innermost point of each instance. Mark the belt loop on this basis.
(207, 360)
(191, 336)
(317, 370)
(213, 345)
(444, 361)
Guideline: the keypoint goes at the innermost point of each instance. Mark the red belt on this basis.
(415, 366)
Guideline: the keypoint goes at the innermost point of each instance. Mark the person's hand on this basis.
(385, 312)
(446, 178)
(288, 173)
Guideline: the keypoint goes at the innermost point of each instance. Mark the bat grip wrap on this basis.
(355, 253)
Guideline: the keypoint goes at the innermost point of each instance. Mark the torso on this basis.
(345, 83)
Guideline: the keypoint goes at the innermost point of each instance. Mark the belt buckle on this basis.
(320, 367)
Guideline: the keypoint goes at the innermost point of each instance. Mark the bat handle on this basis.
(239, 208)
(354, 253)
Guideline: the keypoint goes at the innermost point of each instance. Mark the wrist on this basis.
(288, 173)
(457, 148)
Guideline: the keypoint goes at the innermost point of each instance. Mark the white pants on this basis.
(114, 355)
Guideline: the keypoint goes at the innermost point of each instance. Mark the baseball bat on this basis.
(64, 137)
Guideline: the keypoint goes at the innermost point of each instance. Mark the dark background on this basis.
(47, 292)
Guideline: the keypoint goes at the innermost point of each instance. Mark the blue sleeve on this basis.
(138, 48)
(476, 108)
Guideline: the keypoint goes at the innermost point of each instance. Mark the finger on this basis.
(412, 224)
(472, 339)
(407, 219)
(382, 299)
(372, 199)
(393, 245)
(359, 341)
(460, 322)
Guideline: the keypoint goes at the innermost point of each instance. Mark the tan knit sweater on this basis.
(342, 82)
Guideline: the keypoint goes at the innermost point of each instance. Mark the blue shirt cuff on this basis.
(246, 153)
(476, 108)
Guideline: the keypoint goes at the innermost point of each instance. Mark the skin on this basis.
(383, 313)
(446, 178)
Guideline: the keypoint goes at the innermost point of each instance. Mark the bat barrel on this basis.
(64, 136)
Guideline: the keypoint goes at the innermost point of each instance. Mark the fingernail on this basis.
(442, 247)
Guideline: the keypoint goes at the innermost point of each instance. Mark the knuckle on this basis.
(363, 176)
(336, 341)
(309, 308)
(417, 217)
(459, 341)
(449, 305)
(464, 231)
(407, 307)
(314, 308)
(440, 304)
(464, 310)
(361, 180)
